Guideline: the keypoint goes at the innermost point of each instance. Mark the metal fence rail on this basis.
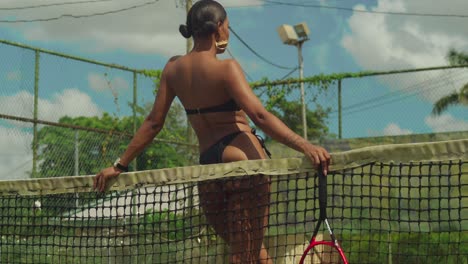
(83, 112)
(370, 100)
(47, 93)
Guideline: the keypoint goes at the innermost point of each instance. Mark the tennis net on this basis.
(386, 204)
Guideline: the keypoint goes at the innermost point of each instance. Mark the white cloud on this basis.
(15, 143)
(70, 102)
(16, 155)
(379, 42)
(234, 3)
(393, 129)
(20, 104)
(148, 29)
(446, 123)
(437, 124)
(429, 86)
(384, 42)
(151, 28)
(13, 76)
(101, 83)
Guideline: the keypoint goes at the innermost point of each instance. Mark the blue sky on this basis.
(145, 37)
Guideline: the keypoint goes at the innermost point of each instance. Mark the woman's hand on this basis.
(319, 157)
(104, 176)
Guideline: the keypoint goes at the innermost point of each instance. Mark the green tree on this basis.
(456, 98)
(99, 150)
(289, 112)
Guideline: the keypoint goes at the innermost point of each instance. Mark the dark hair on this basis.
(203, 19)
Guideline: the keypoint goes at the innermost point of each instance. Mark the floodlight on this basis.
(296, 36)
(288, 35)
(302, 30)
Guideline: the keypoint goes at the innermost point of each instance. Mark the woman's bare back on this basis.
(199, 81)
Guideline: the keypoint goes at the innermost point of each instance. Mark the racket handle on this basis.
(322, 193)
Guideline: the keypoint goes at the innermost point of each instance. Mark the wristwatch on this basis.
(120, 166)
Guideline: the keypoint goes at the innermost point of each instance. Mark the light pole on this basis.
(296, 36)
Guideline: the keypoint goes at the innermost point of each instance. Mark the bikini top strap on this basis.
(229, 106)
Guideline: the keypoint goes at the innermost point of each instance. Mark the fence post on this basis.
(77, 154)
(35, 113)
(135, 168)
(77, 163)
(340, 135)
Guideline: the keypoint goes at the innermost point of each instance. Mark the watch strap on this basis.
(120, 166)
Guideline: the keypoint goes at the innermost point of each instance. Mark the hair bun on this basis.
(209, 27)
(183, 29)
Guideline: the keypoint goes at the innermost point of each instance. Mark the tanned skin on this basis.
(239, 213)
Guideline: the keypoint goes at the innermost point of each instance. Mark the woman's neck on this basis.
(205, 45)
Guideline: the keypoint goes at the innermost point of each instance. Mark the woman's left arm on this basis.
(150, 128)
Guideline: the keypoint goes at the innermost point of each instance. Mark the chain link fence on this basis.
(349, 110)
(62, 115)
(401, 104)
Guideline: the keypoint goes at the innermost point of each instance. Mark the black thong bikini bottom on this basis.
(214, 154)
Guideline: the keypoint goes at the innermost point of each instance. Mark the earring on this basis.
(221, 45)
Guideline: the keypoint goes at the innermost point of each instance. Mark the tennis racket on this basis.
(333, 244)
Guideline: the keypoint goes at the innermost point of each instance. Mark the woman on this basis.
(218, 99)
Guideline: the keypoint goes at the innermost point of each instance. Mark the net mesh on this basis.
(386, 204)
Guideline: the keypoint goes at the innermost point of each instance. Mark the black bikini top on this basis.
(229, 106)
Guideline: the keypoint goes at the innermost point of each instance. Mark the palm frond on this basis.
(464, 95)
(445, 102)
(457, 58)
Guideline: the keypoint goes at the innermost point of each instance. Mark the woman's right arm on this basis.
(239, 89)
(150, 128)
